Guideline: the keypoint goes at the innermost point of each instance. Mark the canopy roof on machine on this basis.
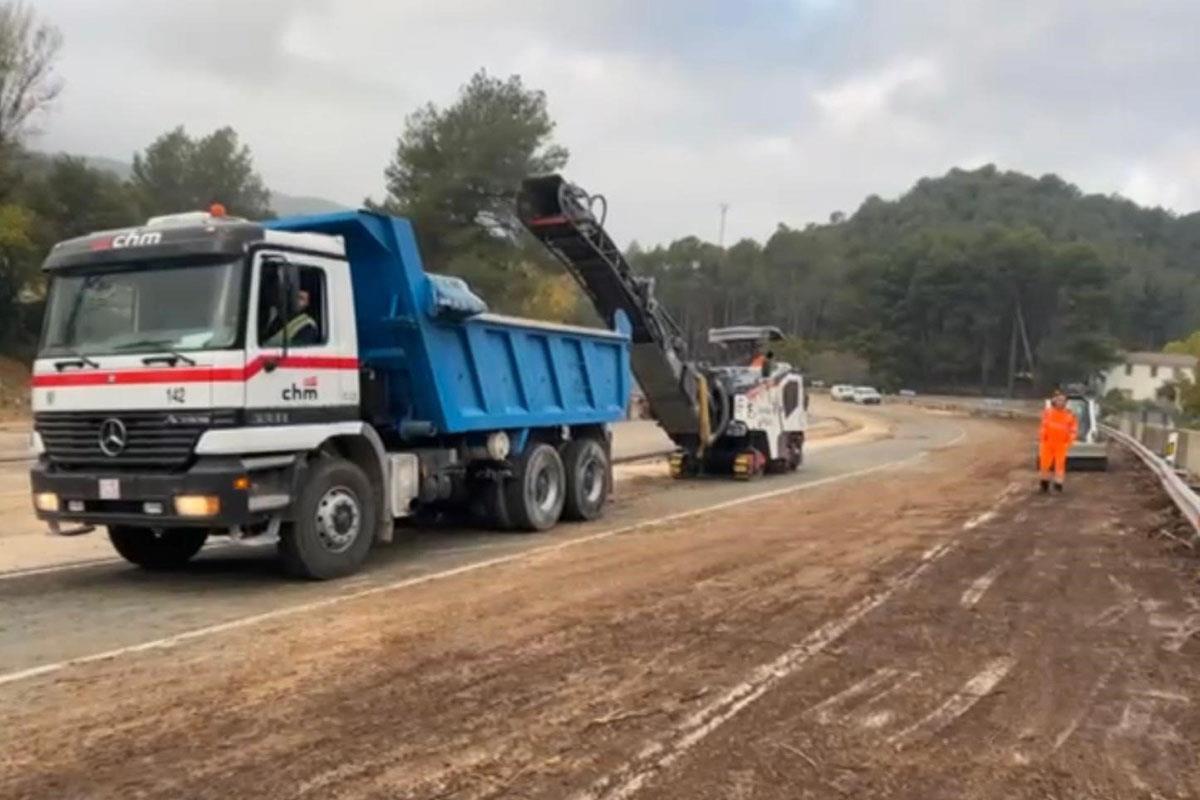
(745, 333)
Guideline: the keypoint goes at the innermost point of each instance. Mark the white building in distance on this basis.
(1140, 376)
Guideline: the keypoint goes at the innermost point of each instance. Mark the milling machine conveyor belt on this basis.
(563, 217)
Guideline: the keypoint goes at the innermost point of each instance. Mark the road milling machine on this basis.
(742, 419)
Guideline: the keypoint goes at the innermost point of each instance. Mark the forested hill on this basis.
(930, 286)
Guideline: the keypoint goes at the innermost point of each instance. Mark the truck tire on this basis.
(156, 549)
(536, 492)
(587, 472)
(490, 506)
(334, 522)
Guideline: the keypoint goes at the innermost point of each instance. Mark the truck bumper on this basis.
(98, 497)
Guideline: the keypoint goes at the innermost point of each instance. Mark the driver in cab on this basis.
(300, 329)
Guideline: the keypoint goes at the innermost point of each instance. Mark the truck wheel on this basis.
(157, 549)
(587, 471)
(334, 522)
(490, 505)
(537, 490)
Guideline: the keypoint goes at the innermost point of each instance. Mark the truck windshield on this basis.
(147, 309)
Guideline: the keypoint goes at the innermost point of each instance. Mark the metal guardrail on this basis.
(1186, 500)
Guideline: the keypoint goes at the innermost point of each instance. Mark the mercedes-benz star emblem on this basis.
(112, 436)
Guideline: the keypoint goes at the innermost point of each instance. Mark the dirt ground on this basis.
(933, 631)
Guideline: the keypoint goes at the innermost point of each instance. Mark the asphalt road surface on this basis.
(52, 615)
(904, 618)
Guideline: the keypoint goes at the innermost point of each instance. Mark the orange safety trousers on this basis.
(1053, 456)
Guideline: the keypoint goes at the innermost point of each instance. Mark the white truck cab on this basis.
(166, 374)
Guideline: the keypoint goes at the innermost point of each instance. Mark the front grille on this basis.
(152, 438)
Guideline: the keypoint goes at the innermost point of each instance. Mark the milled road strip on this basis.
(823, 711)
(254, 619)
(660, 754)
(657, 755)
(979, 587)
(982, 519)
(978, 687)
(1085, 708)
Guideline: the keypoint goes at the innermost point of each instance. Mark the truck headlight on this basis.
(197, 505)
(45, 501)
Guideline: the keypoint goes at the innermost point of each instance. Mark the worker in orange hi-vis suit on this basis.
(1059, 429)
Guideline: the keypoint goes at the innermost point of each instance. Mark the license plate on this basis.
(110, 489)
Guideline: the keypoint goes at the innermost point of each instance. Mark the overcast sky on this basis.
(784, 109)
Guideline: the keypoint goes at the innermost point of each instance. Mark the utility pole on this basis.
(1018, 330)
(721, 230)
(1025, 336)
(1012, 359)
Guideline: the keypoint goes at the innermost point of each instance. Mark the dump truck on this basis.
(304, 382)
(738, 418)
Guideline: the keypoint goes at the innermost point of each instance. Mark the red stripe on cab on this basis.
(175, 375)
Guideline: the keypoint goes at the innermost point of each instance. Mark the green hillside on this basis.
(930, 286)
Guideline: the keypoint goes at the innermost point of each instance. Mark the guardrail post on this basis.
(1171, 450)
(1189, 454)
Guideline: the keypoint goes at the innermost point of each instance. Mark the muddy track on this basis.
(881, 660)
(1052, 653)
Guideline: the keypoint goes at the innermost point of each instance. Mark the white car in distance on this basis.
(842, 392)
(867, 396)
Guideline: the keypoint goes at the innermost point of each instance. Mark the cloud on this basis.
(872, 98)
(784, 109)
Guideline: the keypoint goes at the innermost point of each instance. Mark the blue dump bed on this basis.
(449, 367)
